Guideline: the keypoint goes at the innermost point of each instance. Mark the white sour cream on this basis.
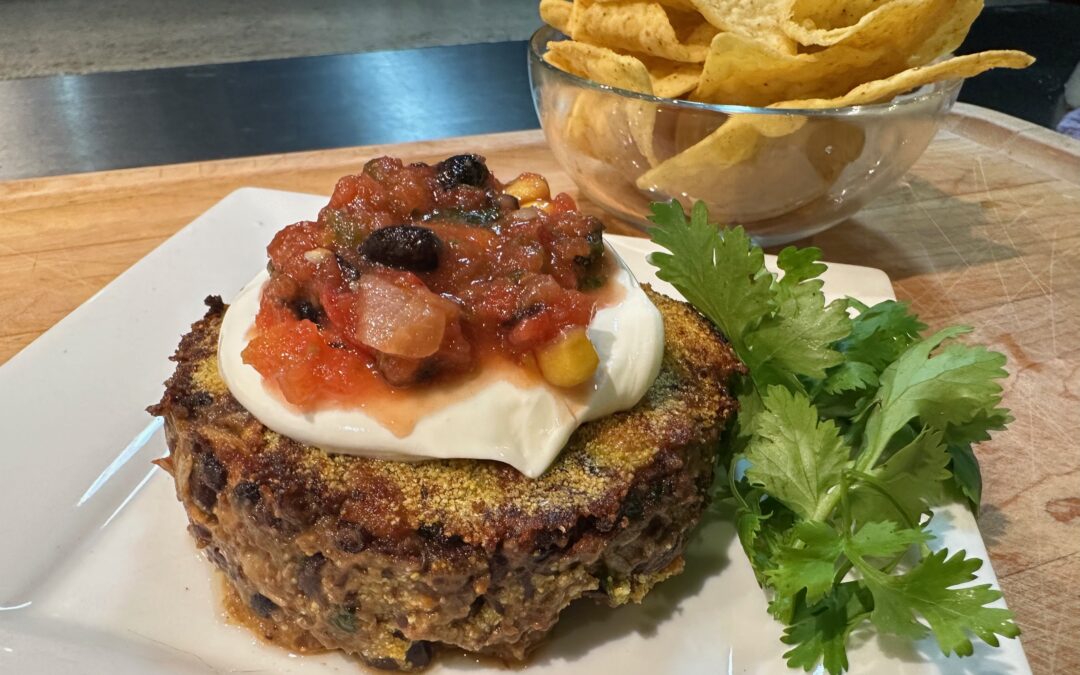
(522, 424)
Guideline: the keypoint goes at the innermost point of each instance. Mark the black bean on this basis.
(196, 400)
(247, 492)
(658, 562)
(462, 170)
(218, 558)
(309, 578)
(262, 605)
(419, 653)
(430, 531)
(201, 534)
(345, 621)
(507, 203)
(306, 310)
(546, 545)
(263, 514)
(454, 540)
(408, 247)
(477, 605)
(526, 312)
(481, 216)
(352, 539)
(633, 506)
(352, 602)
(499, 567)
(215, 304)
(384, 663)
(298, 508)
(348, 270)
(207, 477)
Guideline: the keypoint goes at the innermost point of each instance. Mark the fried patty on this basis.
(388, 560)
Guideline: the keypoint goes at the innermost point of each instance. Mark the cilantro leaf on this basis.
(780, 329)
(797, 339)
(819, 632)
(966, 474)
(809, 563)
(879, 334)
(883, 540)
(764, 528)
(800, 264)
(906, 485)
(978, 428)
(953, 386)
(929, 590)
(850, 376)
(718, 272)
(793, 456)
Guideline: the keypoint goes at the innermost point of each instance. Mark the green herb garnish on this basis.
(850, 429)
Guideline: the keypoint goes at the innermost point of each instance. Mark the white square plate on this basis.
(98, 574)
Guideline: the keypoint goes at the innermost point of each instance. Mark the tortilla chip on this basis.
(956, 68)
(770, 179)
(758, 20)
(671, 79)
(641, 27)
(556, 13)
(599, 64)
(950, 31)
(680, 5)
(734, 142)
(832, 145)
(742, 71)
(826, 22)
(619, 133)
(737, 140)
(585, 129)
(604, 66)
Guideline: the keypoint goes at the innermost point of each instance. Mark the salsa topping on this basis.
(415, 274)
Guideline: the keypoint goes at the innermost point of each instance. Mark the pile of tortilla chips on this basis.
(800, 54)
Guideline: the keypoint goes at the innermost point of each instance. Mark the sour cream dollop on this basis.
(522, 424)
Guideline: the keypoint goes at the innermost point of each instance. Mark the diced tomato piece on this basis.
(288, 247)
(563, 203)
(295, 357)
(344, 192)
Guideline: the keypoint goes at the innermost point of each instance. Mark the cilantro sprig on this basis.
(852, 426)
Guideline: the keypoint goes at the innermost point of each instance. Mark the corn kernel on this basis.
(568, 360)
(529, 187)
(540, 205)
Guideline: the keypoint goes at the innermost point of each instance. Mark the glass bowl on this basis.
(782, 174)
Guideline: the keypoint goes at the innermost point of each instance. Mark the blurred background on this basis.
(63, 37)
(52, 37)
(117, 83)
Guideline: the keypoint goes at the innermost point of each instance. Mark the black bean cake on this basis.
(390, 561)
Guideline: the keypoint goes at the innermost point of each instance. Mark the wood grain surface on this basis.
(985, 231)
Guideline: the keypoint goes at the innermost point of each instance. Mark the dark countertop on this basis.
(72, 124)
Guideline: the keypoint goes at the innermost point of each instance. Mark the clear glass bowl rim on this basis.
(937, 90)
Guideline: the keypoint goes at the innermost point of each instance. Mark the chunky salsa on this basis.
(414, 273)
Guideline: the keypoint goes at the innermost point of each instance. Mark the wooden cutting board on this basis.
(984, 230)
